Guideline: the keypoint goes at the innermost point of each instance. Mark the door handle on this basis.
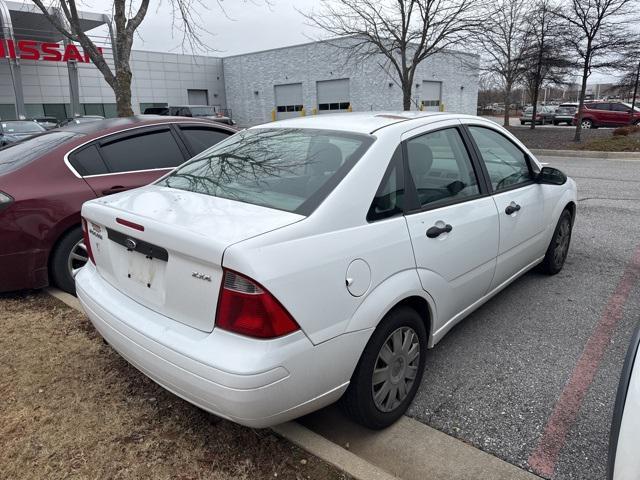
(434, 231)
(512, 208)
(114, 189)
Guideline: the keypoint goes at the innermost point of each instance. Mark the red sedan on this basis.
(45, 180)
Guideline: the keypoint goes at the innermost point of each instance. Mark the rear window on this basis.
(286, 169)
(20, 127)
(17, 154)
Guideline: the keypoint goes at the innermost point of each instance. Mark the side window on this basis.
(199, 139)
(390, 195)
(441, 168)
(88, 161)
(507, 164)
(619, 107)
(143, 151)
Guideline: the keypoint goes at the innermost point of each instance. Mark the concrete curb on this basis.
(331, 453)
(586, 154)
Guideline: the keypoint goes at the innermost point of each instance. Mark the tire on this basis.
(559, 246)
(68, 256)
(522, 123)
(556, 123)
(587, 123)
(359, 400)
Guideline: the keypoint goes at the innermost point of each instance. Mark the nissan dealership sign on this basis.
(45, 51)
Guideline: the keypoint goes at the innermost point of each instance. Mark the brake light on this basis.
(87, 241)
(247, 308)
(127, 223)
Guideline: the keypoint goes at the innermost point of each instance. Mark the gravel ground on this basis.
(494, 380)
(556, 138)
(70, 407)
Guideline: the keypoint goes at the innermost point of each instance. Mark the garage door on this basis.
(198, 97)
(333, 95)
(288, 100)
(431, 96)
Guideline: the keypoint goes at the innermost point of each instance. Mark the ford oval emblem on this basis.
(130, 243)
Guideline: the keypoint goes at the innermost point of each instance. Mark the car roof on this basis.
(359, 122)
(110, 125)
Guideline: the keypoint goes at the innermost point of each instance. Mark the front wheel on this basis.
(68, 258)
(559, 246)
(586, 123)
(389, 372)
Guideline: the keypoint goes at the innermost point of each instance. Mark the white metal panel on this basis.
(431, 95)
(333, 91)
(288, 95)
(198, 97)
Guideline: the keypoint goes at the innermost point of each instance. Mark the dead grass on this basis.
(617, 143)
(70, 407)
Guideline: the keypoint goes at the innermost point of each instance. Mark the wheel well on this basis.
(421, 306)
(571, 206)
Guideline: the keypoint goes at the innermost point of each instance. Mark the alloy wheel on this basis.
(77, 258)
(562, 242)
(395, 369)
(586, 124)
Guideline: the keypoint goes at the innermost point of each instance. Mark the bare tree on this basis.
(630, 80)
(403, 32)
(546, 60)
(127, 17)
(598, 34)
(504, 42)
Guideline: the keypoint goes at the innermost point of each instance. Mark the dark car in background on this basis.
(565, 113)
(12, 131)
(193, 111)
(80, 119)
(45, 180)
(607, 114)
(544, 114)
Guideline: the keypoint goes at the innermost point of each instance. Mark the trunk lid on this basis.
(163, 247)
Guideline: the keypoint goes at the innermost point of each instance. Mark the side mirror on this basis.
(551, 176)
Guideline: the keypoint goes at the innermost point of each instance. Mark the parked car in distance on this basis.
(607, 114)
(316, 257)
(44, 181)
(12, 131)
(565, 113)
(544, 114)
(624, 462)
(80, 119)
(47, 122)
(199, 111)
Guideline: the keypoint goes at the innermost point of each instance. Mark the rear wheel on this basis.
(559, 246)
(522, 123)
(68, 258)
(389, 372)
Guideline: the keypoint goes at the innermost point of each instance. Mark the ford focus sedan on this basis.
(316, 259)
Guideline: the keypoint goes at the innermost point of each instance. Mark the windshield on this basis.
(202, 111)
(10, 128)
(20, 153)
(287, 169)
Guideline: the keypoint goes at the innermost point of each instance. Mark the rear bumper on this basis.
(252, 382)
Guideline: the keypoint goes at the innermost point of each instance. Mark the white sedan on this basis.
(314, 259)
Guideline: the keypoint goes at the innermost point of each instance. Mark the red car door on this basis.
(133, 159)
(620, 114)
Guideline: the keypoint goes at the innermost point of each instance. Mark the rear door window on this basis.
(87, 161)
(200, 138)
(142, 151)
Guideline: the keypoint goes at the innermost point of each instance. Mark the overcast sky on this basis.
(249, 25)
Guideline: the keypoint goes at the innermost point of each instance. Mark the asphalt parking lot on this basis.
(522, 378)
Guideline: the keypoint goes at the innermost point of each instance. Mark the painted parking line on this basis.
(544, 457)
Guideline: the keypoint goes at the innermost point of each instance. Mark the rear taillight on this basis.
(87, 241)
(5, 200)
(247, 308)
